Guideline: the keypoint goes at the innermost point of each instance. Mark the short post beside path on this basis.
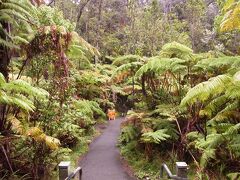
(64, 171)
(181, 170)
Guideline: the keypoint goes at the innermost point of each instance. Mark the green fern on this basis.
(203, 91)
(160, 65)
(19, 14)
(16, 93)
(177, 50)
(207, 155)
(155, 137)
(125, 70)
(128, 133)
(219, 65)
(126, 59)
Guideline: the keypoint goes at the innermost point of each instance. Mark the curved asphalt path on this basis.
(103, 162)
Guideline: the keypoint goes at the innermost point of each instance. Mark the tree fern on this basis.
(176, 50)
(38, 135)
(128, 133)
(15, 93)
(221, 64)
(15, 12)
(155, 137)
(160, 65)
(213, 106)
(204, 90)
(125, 70)
(126, 59)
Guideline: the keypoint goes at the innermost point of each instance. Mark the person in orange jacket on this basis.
(111, 114)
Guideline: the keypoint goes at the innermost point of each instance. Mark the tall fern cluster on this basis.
(46, 123)
(18, 14)
(203, 125)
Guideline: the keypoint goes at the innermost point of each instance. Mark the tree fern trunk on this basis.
(143, 86)
(4, 54)
(4, 69)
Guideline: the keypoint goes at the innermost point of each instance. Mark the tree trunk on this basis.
(4, 62)
(80, 12)
(4, 69)
(143, 86)
(99, 22)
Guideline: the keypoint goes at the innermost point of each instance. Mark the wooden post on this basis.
(181, 169)
(64, 168)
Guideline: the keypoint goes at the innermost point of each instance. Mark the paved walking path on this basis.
(103, 160)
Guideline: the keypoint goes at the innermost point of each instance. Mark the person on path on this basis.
(111, 114)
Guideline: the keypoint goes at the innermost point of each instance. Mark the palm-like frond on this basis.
(160, 65)
(155, 137)
(88, 108)
(225, 114)
(213, 106)
(126, 59)
(17, 13)
(38, 135)
(176, 50)
(128, 133)
(223, 64)
(202, 91)
(82, 45)
(125, 70)
(15, 93)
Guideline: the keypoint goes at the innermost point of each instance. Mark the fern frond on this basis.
(38, 135)
(126, 59)
(226, 113)
(128, 133)
(125, 70)
(20, 86)
(78, 40)
(52, 143)
(155, 137)
(160, 65)
(212, 141)
(201, 92)
(233, 175)
(233, 129)
(22, 102)
(11, 12)
(2, 80)
(225, 63)
(8, 44)
(176, 50)
(206, 156)
(213, 106)
(16, 7)
(20, 39)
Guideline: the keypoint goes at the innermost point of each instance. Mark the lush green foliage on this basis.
(205, 126)
(55, 86)
(42, 125)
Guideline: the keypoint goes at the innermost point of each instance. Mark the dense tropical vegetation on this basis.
(172, 66)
